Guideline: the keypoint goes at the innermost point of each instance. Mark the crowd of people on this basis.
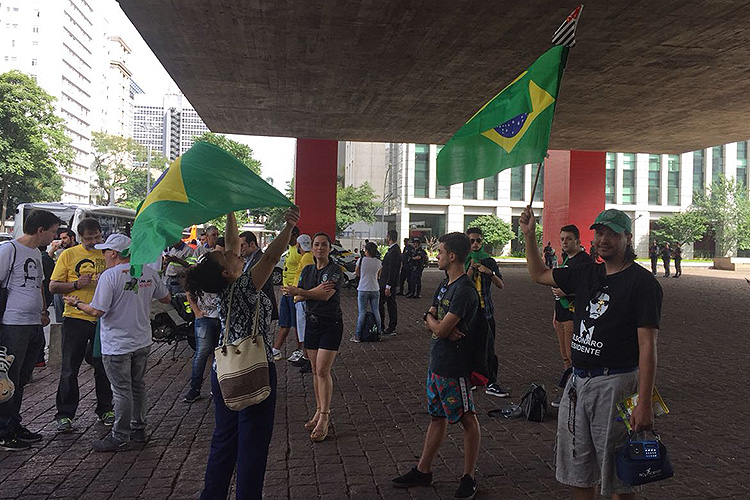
(606, 317)
(667, 255)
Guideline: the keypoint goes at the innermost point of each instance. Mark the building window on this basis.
(470, 190)
(717, 163)
(490, 187)
(654, 180)
(539, 191)
(517, 180)
(699, 171)
(742, 163)
(673, 180)
(35, 29)
(33, 62)
(628, 179)
(610, 189)
(421, 170)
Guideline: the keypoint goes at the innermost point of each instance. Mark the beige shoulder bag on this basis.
(242, 369)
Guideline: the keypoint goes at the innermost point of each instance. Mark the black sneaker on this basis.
(497, 391)
(25, 435)
(107, 418)
(306, 366)
(192, 396)
(10, 443)
(388, 333)
(109, 443)
(139, 436)
(413, 478)
(467, 489)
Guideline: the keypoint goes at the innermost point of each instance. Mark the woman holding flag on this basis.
(240, 438)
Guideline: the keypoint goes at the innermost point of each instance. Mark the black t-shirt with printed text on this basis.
(609, 311)
(567, 313)
(453, 358)
(311, 277)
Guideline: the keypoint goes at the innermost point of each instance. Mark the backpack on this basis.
(370, 331)
(534, 403)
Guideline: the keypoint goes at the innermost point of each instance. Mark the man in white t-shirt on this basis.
(124, 304)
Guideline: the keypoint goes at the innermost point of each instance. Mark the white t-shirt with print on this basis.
(25, 304)
(126, 302)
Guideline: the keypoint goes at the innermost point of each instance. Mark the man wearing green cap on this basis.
(613, 353)
(124, 304)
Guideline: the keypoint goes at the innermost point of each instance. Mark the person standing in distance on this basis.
(389, 282)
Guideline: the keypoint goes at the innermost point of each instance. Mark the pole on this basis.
(536, 180)
(148, 171)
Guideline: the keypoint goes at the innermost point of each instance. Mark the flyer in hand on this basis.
(625, 407)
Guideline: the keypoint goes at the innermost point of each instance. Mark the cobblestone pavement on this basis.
(379, 416)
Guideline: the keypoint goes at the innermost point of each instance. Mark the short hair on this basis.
(66, 230)
(323, 233)
(372, 249)
(39, 218)
(209, 229)
(392, 235)
(457, 243)
(572, 228)
(474, 230)
(249, 237)
(88, 224)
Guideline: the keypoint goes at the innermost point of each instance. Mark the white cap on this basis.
(305, 242)
(117, 242)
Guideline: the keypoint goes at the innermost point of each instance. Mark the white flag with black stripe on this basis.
(566, 33)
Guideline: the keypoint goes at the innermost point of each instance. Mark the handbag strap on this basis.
(254, 332)
(12, 265)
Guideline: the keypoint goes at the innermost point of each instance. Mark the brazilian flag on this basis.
(202, 184)
(511, 130)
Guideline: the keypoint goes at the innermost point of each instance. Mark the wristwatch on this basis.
(75, 285)
(424, 318)
(76, 304)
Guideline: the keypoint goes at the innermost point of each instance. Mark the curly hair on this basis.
(205, 277)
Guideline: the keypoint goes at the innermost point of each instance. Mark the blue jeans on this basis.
(240, 438)
(207, 332)
(364, 298)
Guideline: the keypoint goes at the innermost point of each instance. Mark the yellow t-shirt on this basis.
(71, 264)
(305, 261)
(290, 266)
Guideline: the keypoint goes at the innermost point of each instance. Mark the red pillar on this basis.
(315, 185)
(574, 183)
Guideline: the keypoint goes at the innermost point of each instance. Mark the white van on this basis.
(112, 219)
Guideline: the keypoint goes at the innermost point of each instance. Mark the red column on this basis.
(315, 185)
(574, 183)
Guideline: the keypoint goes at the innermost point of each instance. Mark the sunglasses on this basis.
(475, 240)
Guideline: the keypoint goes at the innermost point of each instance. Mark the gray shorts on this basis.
(597, 432)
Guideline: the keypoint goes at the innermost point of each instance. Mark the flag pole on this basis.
(536, 180)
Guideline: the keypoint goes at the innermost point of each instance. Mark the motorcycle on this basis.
(348, 266)
(173, 322)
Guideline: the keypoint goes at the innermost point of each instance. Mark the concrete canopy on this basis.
(660, 77)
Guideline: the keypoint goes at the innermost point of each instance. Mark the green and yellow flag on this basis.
(511, 130)
(204, 183)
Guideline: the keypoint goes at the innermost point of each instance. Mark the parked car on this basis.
(5, 237)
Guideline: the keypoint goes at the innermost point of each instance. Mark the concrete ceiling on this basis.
(645, 76)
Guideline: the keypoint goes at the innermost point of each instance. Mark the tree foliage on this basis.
(355, 204)
(683, 227)
(33, 143)
(727, 209)
(120, 165)
(240, 151)
(497, 233)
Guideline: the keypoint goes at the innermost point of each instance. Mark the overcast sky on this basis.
(276, 154)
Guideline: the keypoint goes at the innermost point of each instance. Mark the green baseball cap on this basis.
(617, 220)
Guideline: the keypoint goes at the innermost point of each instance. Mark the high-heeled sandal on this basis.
(317, 437)
(310, 425)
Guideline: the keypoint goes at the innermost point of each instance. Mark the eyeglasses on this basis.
(475, 240)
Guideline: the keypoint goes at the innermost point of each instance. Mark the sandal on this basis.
(319, 436)
(310, 425)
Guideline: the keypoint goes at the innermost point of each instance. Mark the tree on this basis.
(355, 204)
(727, 209)
(33, 143)
(497, 233)
(538, 233)
(240, 151)
(121, 165)
(682, 227)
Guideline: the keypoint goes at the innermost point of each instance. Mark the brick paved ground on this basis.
(379, 418)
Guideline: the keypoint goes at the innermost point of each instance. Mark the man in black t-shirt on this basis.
(570, 240)
(451, 318)
(613, 353)
(418, 263)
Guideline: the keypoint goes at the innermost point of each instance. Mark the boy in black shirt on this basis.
(451, 318)
(613, 353)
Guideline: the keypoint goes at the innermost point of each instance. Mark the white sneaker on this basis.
(296, 356)
(277, 354)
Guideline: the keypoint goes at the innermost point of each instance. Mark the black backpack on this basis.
(370, 331)
(534, 403)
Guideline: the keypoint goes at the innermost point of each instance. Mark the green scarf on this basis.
(478, 256)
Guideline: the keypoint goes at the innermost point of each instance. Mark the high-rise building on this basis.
(169, 128)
